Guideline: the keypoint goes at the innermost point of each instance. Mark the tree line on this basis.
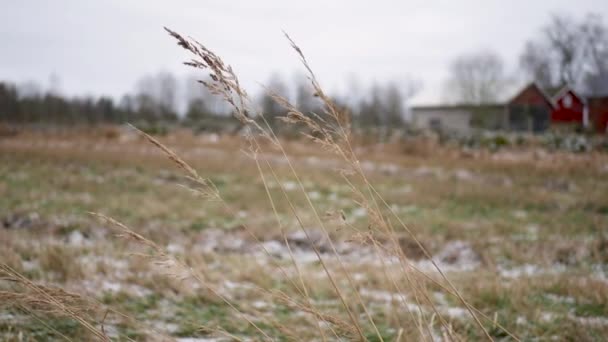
(163, 99)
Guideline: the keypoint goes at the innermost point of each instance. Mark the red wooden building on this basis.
(533, 110)
(530, 110)
(569, 108)
(598, 113)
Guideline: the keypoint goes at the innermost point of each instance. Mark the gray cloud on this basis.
(103, 47)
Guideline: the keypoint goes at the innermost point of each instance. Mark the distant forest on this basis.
(160, 100)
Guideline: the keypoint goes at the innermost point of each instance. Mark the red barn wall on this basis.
(598, 113)
(565, 112)
(531, 95)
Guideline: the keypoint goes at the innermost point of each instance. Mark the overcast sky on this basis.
(103, 47)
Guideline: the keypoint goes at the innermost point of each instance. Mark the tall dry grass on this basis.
(355, 319)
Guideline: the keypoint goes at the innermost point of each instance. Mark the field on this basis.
(521, 234)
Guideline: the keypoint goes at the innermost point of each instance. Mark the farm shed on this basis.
(460, 119)
(530, 110)
(569, 108)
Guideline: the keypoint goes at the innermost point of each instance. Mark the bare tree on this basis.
(29, 89)
(476, 78)
(194, 90)
(569, 52)
(564, 39)
(270, 108)
(385, 105)
(157, 94)
(304, 95)
(370, 110)
(535, 64)
(54, 85)
(596, 51)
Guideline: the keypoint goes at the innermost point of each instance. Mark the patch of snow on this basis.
(389, 169)
(391, 297)
(368, 165)
(521, 320)
(359, 276)
(547, 316)
(118, 265)
(4, 317)
(259, 304)
(166, 326)
(459, 255)
(306, 257)
(111, 286)
(312, 160)
(528, 270)
(97, 284)
(232, 285)
(307, 240)
(599, 272)
(274, 248)
(463, 175)
(111, 331)
(212, 138)
(531, 233)
(359, 212)
(440, 298)
(562, 299)
(217, 240)
(520, 214)
(532, 228)
(425, 171)
(30, 265)
(290, 186)
(314, 195)
(516, 272)
(594, 321)
(384, 296)
(174, 248)
(332, 197)
(454, 312)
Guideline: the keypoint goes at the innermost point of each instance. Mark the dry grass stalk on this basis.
(225, 83)
(329, 129)
(177, 268)
(324, 134)
(49, 300)
(35, 298)
(349, 156)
